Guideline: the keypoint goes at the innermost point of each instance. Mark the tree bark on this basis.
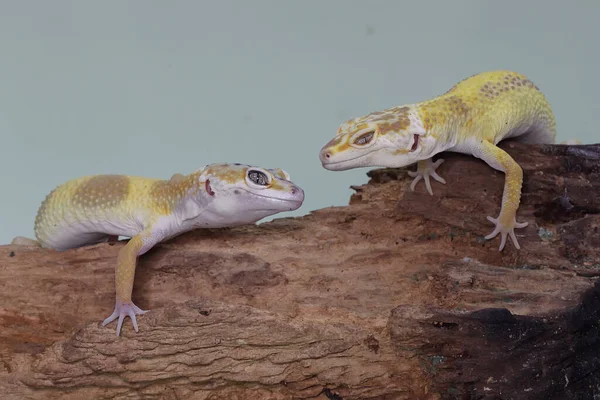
(396, 296)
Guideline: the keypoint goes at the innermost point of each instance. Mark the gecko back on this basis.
(88, 210)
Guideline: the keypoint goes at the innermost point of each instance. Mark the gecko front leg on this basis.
(124, 278)
(425, 170)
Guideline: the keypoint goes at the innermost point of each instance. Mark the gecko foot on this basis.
(504, 230)
(425, 170)
(123, 309)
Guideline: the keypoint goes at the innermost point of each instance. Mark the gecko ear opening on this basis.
(208, 188)
(415, 143)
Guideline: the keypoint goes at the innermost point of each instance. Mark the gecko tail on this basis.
(23, 241)
(571, 141)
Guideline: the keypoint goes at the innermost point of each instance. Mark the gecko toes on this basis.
(122, 310)
(504, 231)
(426, 173)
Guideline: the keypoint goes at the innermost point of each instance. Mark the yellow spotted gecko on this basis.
(94, 209)
(470, 118)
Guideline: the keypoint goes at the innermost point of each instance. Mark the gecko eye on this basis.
(258, 177)
(365, 138)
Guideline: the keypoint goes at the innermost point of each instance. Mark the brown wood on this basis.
(396, 296)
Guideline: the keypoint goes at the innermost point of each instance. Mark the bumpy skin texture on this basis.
(471, 118)
(95, 208)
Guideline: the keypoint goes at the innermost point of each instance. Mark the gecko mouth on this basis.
(333, 165)
(279, 204)
(292, 203)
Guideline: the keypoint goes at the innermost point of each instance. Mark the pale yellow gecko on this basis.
(92, 209)
(471, 118)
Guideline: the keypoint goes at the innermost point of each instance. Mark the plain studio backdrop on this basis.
(151, 88)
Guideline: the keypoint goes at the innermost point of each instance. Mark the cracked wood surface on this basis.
(395, 296)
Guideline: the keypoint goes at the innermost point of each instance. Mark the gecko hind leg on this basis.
(122, 310)
(505, 229)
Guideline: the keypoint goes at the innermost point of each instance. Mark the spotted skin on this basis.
(97, 208)
(471, 118)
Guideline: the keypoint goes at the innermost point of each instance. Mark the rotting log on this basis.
(396, 296)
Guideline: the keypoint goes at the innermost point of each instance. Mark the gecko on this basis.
(470, 118)
(94, 209)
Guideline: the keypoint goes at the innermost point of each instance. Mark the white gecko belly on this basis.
(68, 235)
(534, 132)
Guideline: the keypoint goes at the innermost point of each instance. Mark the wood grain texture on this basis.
(395, 296)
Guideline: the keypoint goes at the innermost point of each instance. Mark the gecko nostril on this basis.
(325, 154)
(294, 190)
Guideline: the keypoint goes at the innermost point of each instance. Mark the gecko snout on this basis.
(295, 198)
(297, 192)
(325, 155)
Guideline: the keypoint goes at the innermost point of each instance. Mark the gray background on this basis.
(152, 88)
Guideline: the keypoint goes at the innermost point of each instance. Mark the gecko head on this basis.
(245, 194)
(392, 138)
